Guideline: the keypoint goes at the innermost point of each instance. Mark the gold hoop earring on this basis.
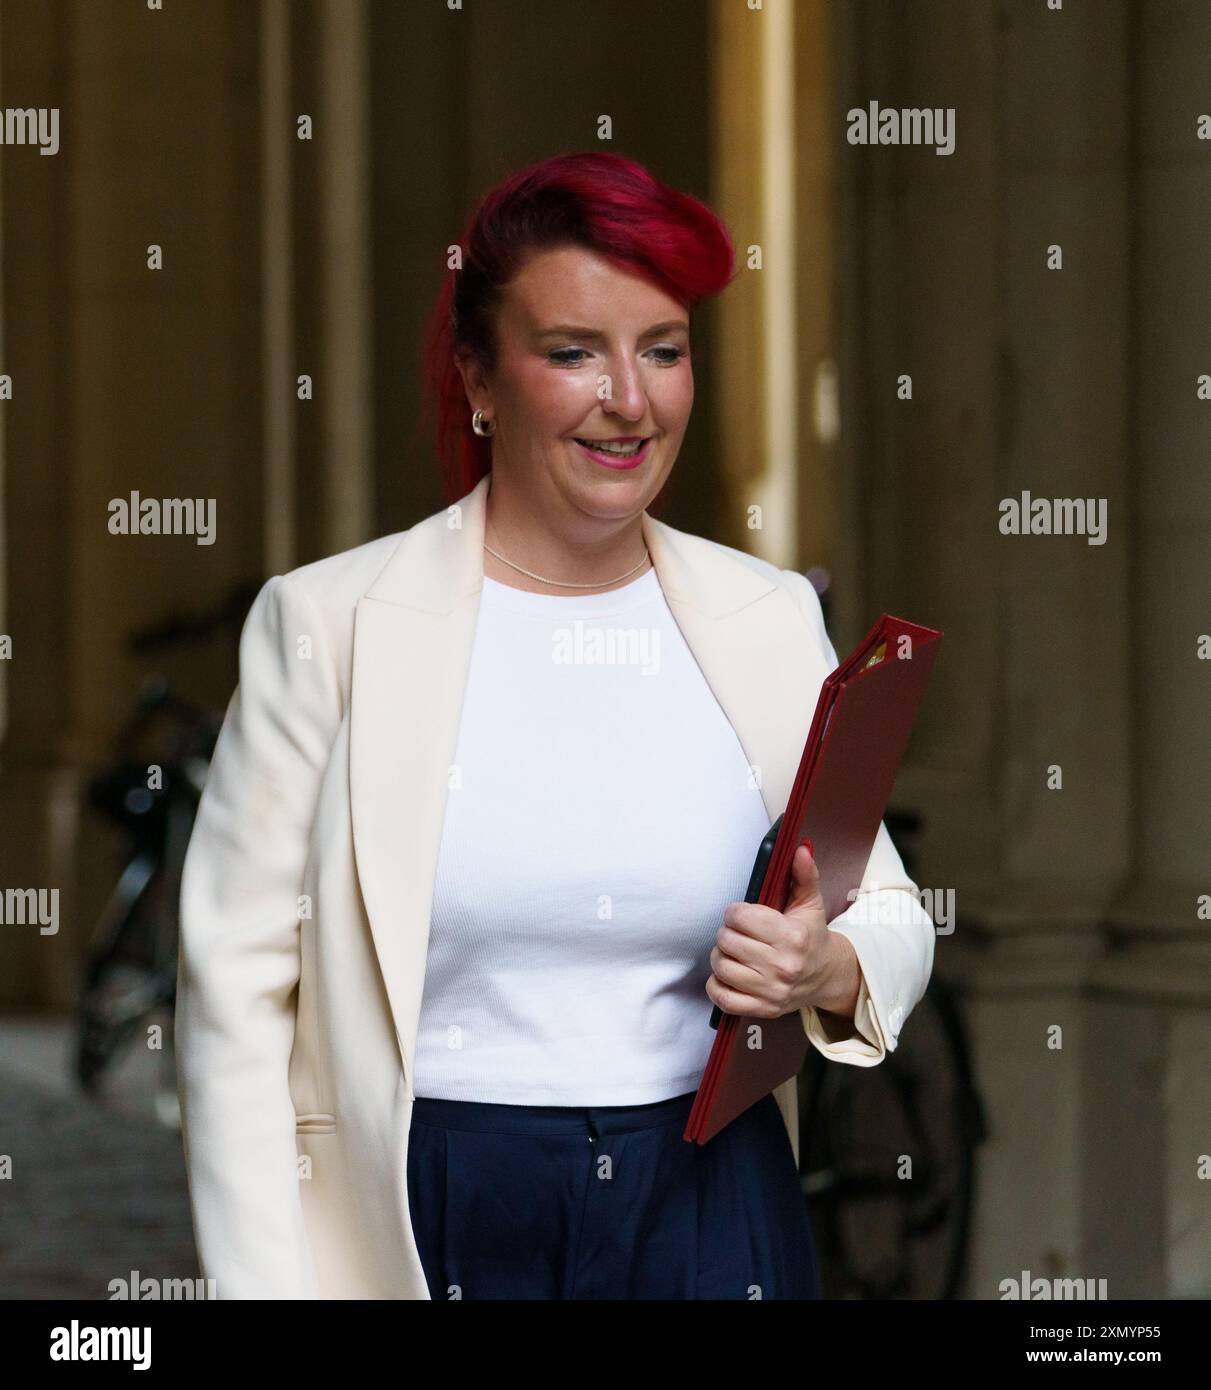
(477, 424)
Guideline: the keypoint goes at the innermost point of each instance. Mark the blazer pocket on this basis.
(317, 1123)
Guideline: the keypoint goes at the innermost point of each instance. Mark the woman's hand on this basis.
(768, 963)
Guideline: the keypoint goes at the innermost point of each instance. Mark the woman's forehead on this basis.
(575, 287)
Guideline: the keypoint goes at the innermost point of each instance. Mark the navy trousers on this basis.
(606, 1202)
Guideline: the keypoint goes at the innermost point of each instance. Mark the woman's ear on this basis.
(475, 382)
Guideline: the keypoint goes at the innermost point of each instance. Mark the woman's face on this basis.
(586, 352)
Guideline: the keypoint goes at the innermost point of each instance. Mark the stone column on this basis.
(126, 378)
(1076, 939)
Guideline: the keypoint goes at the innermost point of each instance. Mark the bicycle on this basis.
(881, 1233)
(130, 967)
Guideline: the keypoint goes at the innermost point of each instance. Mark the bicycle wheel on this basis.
(888, 1162)
(127, 976)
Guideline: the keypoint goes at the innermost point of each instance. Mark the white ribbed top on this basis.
(604, 821)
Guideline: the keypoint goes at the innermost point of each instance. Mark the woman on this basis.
(522, 755)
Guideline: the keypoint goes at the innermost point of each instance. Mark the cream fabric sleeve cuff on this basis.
(865, 1043)
(892, 936)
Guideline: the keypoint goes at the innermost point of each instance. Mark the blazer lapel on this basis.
(751, 643)
(413, 633)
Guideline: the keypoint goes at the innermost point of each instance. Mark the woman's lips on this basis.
(615, 460)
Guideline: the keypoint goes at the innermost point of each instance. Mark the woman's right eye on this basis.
(559, 356)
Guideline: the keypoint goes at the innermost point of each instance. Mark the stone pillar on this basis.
(342, 151)
(126, 379)
(1160, 970)
(1085, 968)
(36, 782)
(774, 180)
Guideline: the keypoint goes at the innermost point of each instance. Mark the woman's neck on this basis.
(602, 566)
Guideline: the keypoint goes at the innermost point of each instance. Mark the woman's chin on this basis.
(616, 491)
(613, 496)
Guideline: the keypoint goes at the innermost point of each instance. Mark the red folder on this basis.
(863, 720)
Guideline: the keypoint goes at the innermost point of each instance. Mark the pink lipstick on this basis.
(611, 459)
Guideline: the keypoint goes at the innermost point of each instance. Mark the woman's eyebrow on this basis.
(576, 330)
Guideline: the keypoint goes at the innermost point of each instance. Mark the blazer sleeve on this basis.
(239, 956)
(891, 933)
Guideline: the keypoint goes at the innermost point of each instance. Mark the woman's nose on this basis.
(627, 396)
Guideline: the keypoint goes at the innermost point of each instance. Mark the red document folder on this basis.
(863, 719)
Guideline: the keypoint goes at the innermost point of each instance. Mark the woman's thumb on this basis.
(805, 877)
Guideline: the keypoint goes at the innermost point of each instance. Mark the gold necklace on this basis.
(564, 584)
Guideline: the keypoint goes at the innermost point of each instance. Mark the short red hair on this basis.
(605, 202)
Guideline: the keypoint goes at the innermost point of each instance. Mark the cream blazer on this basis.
(307, 887)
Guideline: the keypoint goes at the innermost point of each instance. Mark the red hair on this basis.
(605, 202)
